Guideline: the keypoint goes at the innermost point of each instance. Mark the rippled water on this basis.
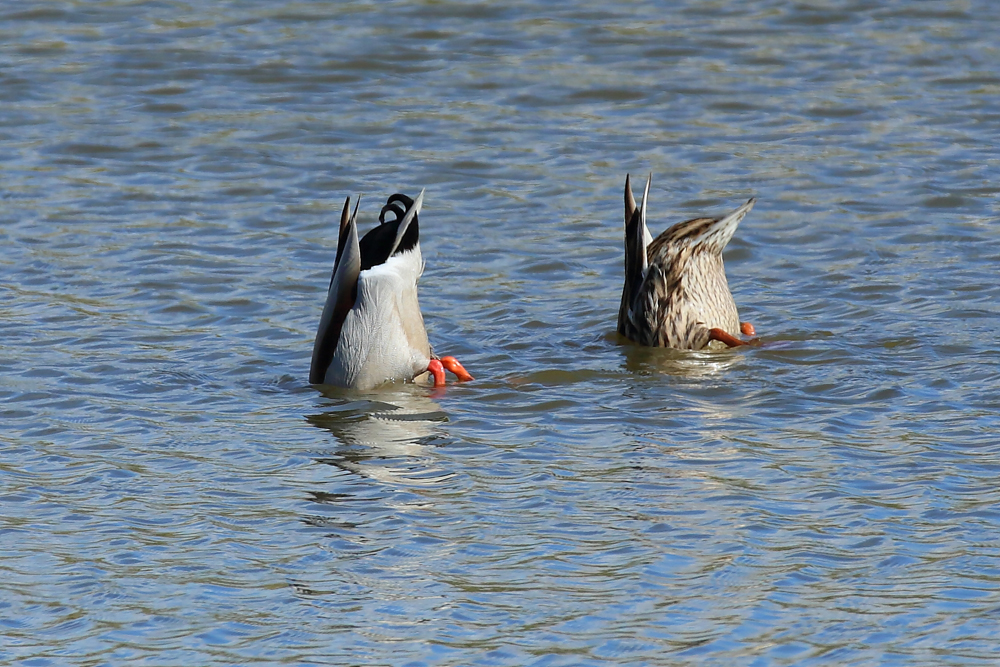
(175, 492)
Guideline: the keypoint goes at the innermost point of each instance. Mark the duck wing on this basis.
(340, 297)
(637, 240)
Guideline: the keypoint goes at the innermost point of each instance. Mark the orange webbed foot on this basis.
(436, 368)
(724, 336)
(747, 329)
(451, 363)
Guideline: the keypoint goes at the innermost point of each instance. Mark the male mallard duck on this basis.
(676, 294)
(371, 330)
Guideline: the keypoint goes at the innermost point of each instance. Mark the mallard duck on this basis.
(371, 330)
(675, 293)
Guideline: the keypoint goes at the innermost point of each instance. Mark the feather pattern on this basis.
(676, 290)
(371, 330)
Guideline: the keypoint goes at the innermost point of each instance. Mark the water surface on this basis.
(176, 493)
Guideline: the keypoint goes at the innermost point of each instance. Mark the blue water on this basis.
(174, 492)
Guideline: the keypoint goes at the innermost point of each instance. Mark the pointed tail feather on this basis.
(629, 199)
(342, 237)
(646, 236)
(345, 215)
(714, 235)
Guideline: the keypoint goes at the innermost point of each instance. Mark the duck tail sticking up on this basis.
(371, 330)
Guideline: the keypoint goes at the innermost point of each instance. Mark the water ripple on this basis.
(176, 493)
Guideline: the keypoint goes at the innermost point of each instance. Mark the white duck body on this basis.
(383, 338)
(371, 331)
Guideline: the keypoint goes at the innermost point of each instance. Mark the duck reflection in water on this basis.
(381, 435)
(679, 363)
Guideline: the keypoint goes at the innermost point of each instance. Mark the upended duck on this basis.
(371, 331)
(676, 293)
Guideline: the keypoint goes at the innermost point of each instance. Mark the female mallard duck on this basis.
(371, 330)
(676, 294)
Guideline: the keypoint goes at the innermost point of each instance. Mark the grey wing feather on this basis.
(339, 300)
(636, 242)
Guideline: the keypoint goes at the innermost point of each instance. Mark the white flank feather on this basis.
(383, 337)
